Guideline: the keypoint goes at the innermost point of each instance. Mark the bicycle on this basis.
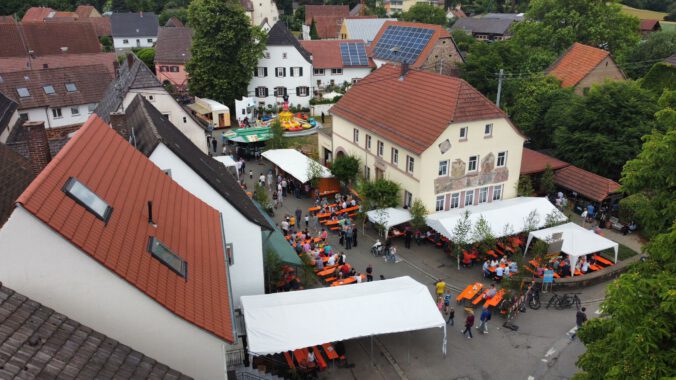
(553, 301)
(534, 297)
(565, 301)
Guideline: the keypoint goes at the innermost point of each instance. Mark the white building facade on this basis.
(56, 117)
(127, 43)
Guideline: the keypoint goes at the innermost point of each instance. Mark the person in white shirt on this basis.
(357, 278)
(499, 272)
(506, 271)
(331, 261)
(494, 263)
(585, 267)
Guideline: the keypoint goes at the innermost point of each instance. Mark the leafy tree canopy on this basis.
(179, 13)
(425, 13)
(463, 40)
(346, 168)
(554, 25)
(603, 130)
(277, 141)
(650, 180)
(418, 214)
(225, 50)
(636, 340)
(381, 193)
(637, 59)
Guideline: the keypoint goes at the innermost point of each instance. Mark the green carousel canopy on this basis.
(248, 135)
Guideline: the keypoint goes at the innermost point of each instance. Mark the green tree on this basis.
(660, 77)
(225, 50)
(524, 188)
(461, 235)
(346, 168)
(637, 59)
(418, 214)
(636, 338)
(381, 193)
(650, 181)
(147, 55)
(426, 14)
(603, 130)
(463, 40)
(653, 5)
(554, 25)
(483, 234)
(313, 31)
(277, 141)
(272, 264)
(547, 181)
(314, 173)
(179, 13)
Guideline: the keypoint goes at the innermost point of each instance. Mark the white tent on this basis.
(229, 162)
(282, 322)
(577, 241)
(295, 163)
(505, 217)
(389, 217)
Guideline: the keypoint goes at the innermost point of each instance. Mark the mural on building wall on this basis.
(460, 179)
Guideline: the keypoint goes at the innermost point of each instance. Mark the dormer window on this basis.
(87, 198)
(70, 87)
(162, 253)
(49, 89)
(23, 92)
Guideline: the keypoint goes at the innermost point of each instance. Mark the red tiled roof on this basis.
(412, 112)
(36, 14)
(439, 32)
(328, 26)
(84, 11)
(7, 20)
(585, 183)
(122, 176)
(59, 60)
(648, 25)
(535, 162)
(578, 61)
(45, 38)
(313, 11)
(101, 25)
(326, 53)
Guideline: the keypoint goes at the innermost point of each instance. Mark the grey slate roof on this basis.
(136, 76)
(504, 16)
(142, 24)
(7, 108)
(280, 35)
(38, 342)
(173, 45)
(15, 176)
(483, 25)
(151, 128)
(18, 141)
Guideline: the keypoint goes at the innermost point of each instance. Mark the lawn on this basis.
(623, 253)
(643, 14)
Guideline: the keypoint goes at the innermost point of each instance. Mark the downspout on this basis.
(227, 271)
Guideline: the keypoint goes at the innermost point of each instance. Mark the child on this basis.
(447, 301)
(440, 304)
(451, 315)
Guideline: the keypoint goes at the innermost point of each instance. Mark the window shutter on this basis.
(297, 91)
(300, 71)
(265, 91)
(265, 71)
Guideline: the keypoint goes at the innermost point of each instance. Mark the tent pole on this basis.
(372, 362)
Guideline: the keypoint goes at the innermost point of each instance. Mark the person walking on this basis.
(250, 174)
(451, 316)
(269, 181)
(580, 319)
(307, 221)
(280, 198)
(284, 184)
(369, 273)
(214, 144)
(348, 237)
(354, 235)
(407, 237)
(484, 318)
(299, 213)
(469, 323)
(440, 286)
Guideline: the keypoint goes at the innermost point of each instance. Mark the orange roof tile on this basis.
(578, 61)
(313, 11)
(84, 11)
(36, 14)
(585, 183)
(439, 32)
(326, 53)
(535, 162)
(648, 25)
(413, 112)
(123, 177)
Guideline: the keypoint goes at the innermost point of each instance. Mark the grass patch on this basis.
(623, 253)
(644, 14)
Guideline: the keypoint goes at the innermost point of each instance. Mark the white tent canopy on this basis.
(389, 217)
(229, 162)
(278, 322)
(505, 217)
(577, 241)
(295, 163)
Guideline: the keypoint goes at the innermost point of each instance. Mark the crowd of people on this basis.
(499, 269)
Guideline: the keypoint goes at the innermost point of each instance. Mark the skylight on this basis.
(70, 87)
(23, 92)
(49, 89)
(167, 257)
(87, 198)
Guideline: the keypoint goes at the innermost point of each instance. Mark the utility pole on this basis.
(500, 76)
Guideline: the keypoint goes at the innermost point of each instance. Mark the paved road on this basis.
(540, 349)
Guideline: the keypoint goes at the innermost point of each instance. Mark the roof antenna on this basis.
(150, 214)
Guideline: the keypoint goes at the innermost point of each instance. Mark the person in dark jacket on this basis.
(469, 323)
(580, 319)
(354, 236)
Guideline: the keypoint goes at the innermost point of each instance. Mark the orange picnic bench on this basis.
(349, 280)
(602, 260)
(470, 291)
(495, 301)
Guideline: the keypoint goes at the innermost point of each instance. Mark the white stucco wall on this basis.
(263, 9)
(143, 42)
(178, 116)
(293, 59)
(67, 118)
(40, 264)
(247, 274)
(348, 75)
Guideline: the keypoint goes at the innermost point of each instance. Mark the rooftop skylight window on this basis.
(162, 253)
(23, 92)
(49, 89)
(70, 87)
(87, 198)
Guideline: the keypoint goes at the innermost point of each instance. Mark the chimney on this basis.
(38, 145)
(118, 121)
(130, 60)
(150, 214)
(404, 71)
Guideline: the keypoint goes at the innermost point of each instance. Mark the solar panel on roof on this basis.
(353, 54)
(402, 44)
